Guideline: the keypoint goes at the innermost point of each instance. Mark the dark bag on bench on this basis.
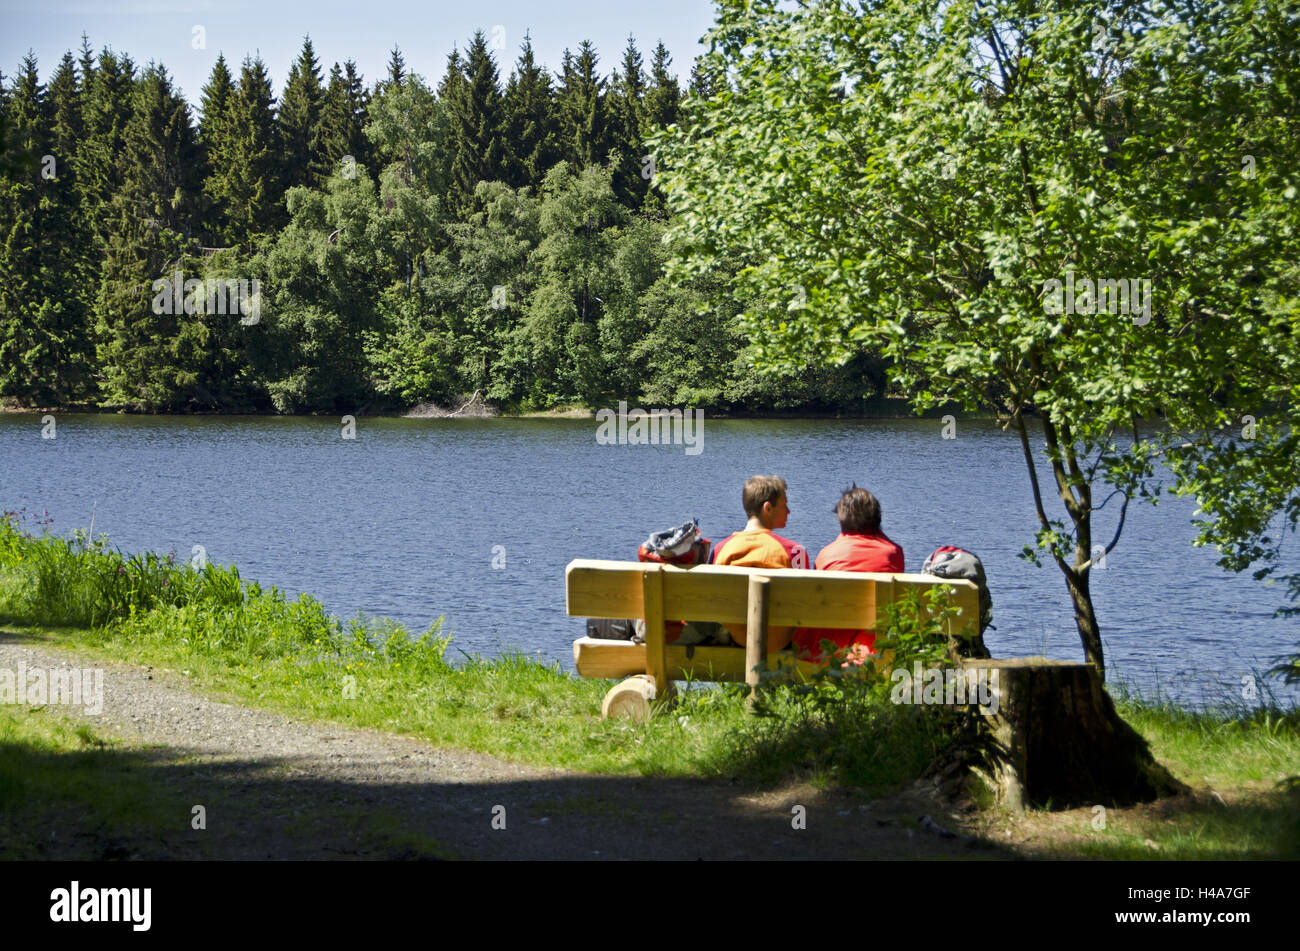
(611, 629)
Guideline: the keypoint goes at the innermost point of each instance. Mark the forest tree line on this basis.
(408, 243)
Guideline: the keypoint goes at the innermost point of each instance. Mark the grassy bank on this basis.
(255, 646)
(235, 640)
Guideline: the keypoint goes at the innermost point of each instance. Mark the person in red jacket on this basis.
(860, 546)
(757, 546)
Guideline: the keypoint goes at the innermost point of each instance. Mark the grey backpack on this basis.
(952, 562)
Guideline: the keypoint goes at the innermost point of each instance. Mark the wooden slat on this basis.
(609, 660)
(718, 593)
(603, 588)
(707, 593)
(606, 660)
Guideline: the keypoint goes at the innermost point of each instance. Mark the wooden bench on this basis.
(754, 597)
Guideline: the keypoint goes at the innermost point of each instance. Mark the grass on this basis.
(235, 640)
(62, 781)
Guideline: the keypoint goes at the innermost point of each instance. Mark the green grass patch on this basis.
(64, 787)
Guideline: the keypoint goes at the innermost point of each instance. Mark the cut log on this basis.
(1056, 739)
(633, 698)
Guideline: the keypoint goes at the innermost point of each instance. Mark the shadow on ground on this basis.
(105, 804)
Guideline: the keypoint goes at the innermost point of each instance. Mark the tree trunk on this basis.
(1086, 619)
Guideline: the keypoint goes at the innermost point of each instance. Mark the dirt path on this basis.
(276, 788)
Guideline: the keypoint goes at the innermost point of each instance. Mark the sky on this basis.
(362, 30)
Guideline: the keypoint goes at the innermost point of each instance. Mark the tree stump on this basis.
(1057, 740)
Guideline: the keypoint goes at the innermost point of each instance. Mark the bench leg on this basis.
(756, 636)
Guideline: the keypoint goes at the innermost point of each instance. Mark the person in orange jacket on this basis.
(757, 546)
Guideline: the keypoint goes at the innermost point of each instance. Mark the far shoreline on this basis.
(881, 408)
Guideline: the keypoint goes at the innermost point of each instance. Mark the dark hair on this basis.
(859, 512)
(759, 490)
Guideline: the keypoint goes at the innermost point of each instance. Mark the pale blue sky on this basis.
(363, 30)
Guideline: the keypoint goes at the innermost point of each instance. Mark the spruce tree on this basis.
(396, 69)
(149, 352)
(584, 124)
(358, 111)
(26, 350)
(449, 91)
(299, 121)
(87, 63)
(626, 107)
(452, 77)
(705, 81)
(343, 119)
(477, 124)
(663, 95)
(71, 255)
(530, 137)
(249, 176)
(216, 139)
(44, 339)
(108, 98)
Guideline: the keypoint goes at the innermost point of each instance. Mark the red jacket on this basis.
(849, 553)
(861, 553)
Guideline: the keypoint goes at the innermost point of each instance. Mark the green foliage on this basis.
(912, 177)
(249, 183)
(342, 123)
(583, 109)
(841, 720)
(477, 124)
(504, 242)
(531, 137)
(152, 357)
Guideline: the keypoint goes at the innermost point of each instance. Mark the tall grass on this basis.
(83, 583)
(151, 599)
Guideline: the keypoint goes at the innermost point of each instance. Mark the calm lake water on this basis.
(404, 522)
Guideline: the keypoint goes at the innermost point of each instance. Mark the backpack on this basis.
(683, 545)
(948, 561)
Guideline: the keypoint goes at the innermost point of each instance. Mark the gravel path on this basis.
(278, 788)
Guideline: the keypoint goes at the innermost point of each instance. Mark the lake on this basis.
(408, 519)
